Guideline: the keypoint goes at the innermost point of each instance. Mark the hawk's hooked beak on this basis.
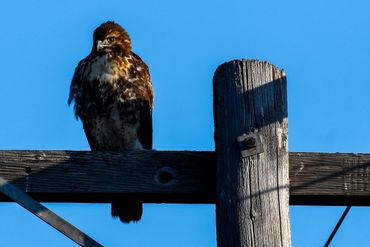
(100, 45)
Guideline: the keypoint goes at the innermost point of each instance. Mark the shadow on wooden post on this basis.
(250, 98)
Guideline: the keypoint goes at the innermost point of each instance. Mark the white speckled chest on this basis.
(113, 125)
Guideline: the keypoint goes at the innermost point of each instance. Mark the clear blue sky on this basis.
(324, 47)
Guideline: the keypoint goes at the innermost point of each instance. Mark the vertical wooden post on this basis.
(250, 111)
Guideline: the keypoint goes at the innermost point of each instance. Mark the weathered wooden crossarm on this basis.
(174, 176)
(329, 179)
(83, 176)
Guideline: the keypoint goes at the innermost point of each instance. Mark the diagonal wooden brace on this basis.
(46, 215)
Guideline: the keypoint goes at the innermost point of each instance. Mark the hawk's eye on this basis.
(111, 39)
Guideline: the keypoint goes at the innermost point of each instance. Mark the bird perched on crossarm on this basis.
(113, 96)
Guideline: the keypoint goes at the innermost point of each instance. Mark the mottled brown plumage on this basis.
(113, 96)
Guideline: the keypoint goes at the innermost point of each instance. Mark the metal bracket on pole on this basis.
(46, 215)
(250, 144)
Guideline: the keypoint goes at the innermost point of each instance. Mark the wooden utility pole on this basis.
(252, 173)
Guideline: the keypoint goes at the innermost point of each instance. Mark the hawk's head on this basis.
(110, 37)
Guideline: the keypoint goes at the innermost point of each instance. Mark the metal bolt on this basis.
(250, 142)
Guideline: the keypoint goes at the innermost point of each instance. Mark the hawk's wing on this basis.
(77, 95)
(75, 90)
(145, 131)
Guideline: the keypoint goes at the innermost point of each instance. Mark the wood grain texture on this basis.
(252, 196)
(82, 176)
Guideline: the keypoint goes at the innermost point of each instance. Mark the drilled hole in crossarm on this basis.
(165, 176)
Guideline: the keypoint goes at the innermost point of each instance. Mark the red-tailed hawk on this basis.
(113, 96)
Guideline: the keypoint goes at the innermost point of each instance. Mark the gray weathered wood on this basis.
(252, 196)
(82, 176)
(46, 215)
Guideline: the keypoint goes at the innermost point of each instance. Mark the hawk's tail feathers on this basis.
(127, 209)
